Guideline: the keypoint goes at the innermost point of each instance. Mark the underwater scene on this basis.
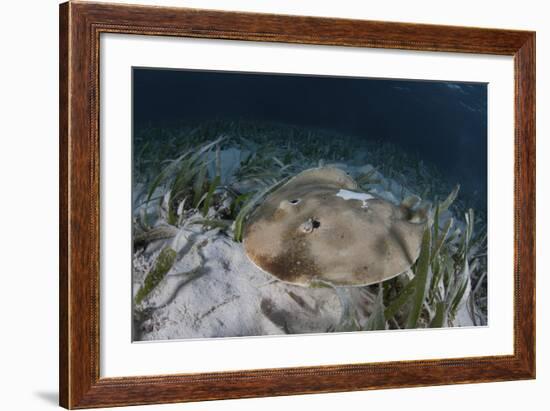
(272, 204)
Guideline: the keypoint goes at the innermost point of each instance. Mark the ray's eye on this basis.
(295, 201)
(316, 223)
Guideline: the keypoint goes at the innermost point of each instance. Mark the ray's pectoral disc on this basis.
(318, 226)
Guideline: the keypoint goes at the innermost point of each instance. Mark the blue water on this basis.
(443, 122)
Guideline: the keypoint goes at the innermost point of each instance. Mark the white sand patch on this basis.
(214, 290)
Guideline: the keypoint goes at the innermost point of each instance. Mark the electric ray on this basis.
(320, 227)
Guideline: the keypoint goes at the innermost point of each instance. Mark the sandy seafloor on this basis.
(214, 290)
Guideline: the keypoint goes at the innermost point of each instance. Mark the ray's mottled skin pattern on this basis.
(305, 231)
(295, 266)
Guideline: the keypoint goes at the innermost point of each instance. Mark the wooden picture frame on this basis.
(80, 27)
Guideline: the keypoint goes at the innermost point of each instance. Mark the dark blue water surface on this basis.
(444, 122)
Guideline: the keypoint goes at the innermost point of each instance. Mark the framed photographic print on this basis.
(257, 205)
